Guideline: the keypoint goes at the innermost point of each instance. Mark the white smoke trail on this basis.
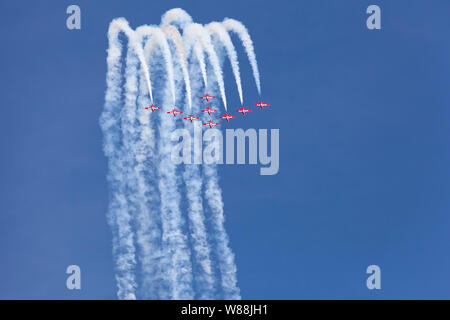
(148, 233)
(213, 193)
(177, 16)
(174, 241)
(174, 258)
(155, 282)
(136, 148)
(227, 267)
(177, 259)
(182, 18)
(196, 32)
(224, 254)
(204, 277)
(128, 118)
(241, 31)
(138, 155)
(198, 51)
(177, 40)
(121, 24)
(118, 216)
(222, 34)
(159, 39)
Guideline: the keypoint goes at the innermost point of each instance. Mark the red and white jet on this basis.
(175, 112)
(152, 107)
(209, 110)
(261, 104)
(191, 117)
(211, 124)
(243, 110)
(207, 97)
(227, 117)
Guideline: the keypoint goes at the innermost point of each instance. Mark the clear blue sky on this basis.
(364, 161)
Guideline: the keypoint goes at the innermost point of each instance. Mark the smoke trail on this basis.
(175, 36)
(128, 118)
(138, 146)
(118, 216)
(196, 31)
(241, 31)
(213, 196)
(227, 266)
(174, 257)
(224, 254)
(155, 282)
(148, 232)
(220, 31)
(177, 16)
(204, 280)
(198, 51)
(174, 241)
(159, 38)
(204, 277)
(121, 24)
(139, 138)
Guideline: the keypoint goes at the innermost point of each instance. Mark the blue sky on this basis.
(364, 150)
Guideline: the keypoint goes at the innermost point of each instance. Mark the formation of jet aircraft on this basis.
(209, 110)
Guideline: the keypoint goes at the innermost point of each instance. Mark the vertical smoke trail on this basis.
(182, 18)
(175, 36)
(138, 156)
(224, 254)
(174, 240)
(228, 270)
(121, 24)
(133, 157)
(202, 263)
(196, 32)
(204, 275)
(159, 39)
(198, 51)
(219, 30)
(145, 194)
(174, 257)
(118, 216)
(213, 195)
(204, 278)
(128, 119)
(241, 31)
(148, 233)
